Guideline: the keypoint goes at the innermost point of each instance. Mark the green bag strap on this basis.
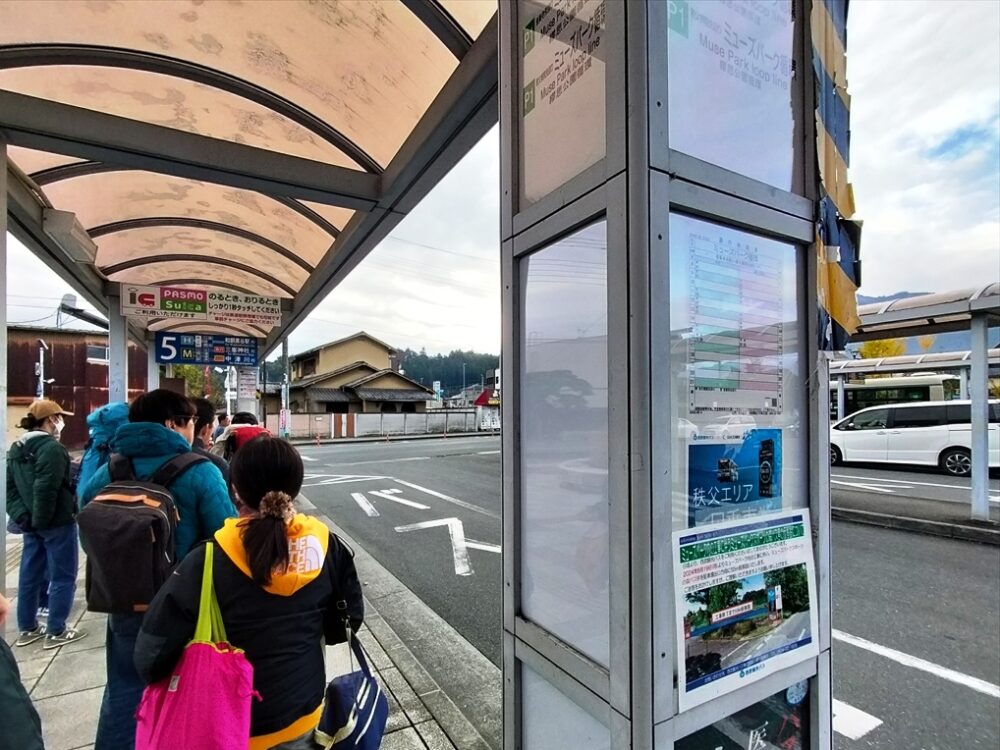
(209, 628)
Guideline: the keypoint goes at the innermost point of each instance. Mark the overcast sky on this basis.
(925, 162)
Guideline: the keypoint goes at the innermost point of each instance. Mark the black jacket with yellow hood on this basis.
(280, 626)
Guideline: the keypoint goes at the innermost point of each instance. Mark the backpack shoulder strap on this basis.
(120, 468)
(176, 466)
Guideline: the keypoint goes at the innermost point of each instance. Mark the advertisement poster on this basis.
(738, 52)
(779, 722)
(562, 91)
(734, 478)
(745, 596)
(177, 303)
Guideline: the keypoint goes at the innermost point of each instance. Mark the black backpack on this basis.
(128, 532)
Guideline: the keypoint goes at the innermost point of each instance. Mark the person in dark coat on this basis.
(203, 435)
(40, 500)
(160, 427)
(279, 576)
(22, 729)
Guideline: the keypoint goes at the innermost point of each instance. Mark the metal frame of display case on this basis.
(636, 186)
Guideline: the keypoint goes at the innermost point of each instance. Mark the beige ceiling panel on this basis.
(173, 103)
(201, 274)
(336, 215)
(165, 242)
(369, 69)
(201, 327)
(28, 160)
(472, 15)
(108, 197)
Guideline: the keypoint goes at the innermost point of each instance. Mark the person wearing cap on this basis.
(40, 500)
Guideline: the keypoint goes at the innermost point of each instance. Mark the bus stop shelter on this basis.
(973, 310)
(671, 280)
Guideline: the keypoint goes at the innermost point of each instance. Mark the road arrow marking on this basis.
(449, 499)
(391, 495)
(459, 547)
(365, 504)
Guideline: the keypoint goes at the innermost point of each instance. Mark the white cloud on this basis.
(923, 76)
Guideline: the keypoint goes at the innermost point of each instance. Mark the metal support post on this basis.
(963, 384)
(286, 376)
(3, 363)
(152, 369)
(841, 398)
(980, 420)
(117, 351)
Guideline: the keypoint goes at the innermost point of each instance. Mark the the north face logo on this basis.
(305, 555)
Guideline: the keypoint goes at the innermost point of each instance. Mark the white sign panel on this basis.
(246, 383)
(178, 303)
(730, 71)
(563, 48)
(745, 603)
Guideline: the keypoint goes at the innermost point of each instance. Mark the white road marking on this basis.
(484, 546)
(869, 487)
(452, 500)
(307, 458)
(339, 479)
(486, 453)
(401, 500)
(382, 461)
(852, 722)
(456, 531)
(959, 678)
(370, 510)
(912, 482)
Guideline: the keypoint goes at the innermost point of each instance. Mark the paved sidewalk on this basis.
(66, 684)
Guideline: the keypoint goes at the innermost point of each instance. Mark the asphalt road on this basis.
(916, 618)
(453, 478)
(911, 481)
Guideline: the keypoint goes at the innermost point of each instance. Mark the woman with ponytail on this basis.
(278, 579)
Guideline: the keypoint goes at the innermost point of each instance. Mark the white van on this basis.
(928, 433)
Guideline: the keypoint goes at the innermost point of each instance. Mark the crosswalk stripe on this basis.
(852, 722)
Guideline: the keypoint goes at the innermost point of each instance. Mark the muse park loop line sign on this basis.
(200, 305)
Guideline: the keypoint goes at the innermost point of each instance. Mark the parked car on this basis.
(929, 433)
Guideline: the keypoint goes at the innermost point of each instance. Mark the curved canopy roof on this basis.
(261, 147)
(928, 313)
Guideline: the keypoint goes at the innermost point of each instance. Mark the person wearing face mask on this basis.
(160, 427)
(40, 500)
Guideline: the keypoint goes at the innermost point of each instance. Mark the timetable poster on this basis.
(737, 391)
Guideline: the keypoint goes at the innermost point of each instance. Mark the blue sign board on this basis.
(205, 349)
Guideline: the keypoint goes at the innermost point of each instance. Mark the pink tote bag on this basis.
(205, 703)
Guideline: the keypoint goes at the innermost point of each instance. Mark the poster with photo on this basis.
(745, 603)
(735, 478)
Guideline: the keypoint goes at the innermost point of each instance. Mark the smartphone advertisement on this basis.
(734, 477)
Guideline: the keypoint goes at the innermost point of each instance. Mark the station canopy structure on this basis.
(262, 148)
(928, 314)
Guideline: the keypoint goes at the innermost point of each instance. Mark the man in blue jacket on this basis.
(161, 426)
